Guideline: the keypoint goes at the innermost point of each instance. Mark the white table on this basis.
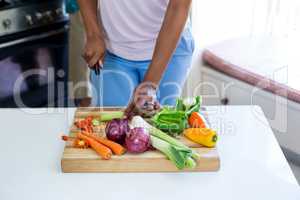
(252, 164)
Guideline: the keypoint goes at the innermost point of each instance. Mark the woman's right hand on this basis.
(144, 101)
(94, 50)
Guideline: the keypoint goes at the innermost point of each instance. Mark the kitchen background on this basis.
(33, 53)
(247, 53)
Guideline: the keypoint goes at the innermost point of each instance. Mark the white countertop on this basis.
(252, 164)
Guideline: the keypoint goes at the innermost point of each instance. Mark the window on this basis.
(214, 20)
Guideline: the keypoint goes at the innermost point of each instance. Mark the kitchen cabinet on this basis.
(283, 115)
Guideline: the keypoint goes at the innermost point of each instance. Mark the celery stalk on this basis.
(108, 116)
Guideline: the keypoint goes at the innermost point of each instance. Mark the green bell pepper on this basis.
(170, 121)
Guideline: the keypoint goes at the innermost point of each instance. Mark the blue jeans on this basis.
(119, 77)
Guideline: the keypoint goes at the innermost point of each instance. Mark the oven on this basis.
(33, 54)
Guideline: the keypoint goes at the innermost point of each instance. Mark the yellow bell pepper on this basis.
(204, 136)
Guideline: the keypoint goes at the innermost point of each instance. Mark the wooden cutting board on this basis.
(86, 160)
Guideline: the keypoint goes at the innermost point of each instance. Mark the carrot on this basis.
(77, 124)
(197, 121)
(77, 143)
(86, 129)
(115, 147)
(65, 138)
(102, 150)
(85, 124)
(89, 119)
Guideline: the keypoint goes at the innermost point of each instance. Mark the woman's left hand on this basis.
(144, 101)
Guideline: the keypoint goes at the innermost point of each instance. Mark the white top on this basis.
(252, 163)
(132, 26)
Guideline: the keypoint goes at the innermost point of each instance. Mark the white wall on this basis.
(214, 21)
(217, 20)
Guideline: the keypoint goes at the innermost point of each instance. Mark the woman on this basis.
(144, 45)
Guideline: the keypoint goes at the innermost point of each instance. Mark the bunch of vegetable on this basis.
(137, 136)
(135, 140)
(181, 155)
(104, 147)
(185, 118)
(174, 120)
(86, 138)
(141, 136)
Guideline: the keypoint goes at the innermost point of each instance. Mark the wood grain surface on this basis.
(86, 160)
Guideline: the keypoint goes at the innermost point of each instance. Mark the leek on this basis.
(169, 151)
(189, 105)
(181, 155)
(190, 163)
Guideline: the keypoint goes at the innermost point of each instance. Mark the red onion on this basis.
(137, 140)
(116, 130)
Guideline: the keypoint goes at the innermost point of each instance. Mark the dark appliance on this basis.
(33, 53)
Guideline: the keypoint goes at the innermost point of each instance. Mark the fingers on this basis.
(143, 106)
(143, 101)
(101, 60)
(156, 106)
(88, 55)
(137, 106)
(94, 60)
(151, 109)
(97, 69)
(129, 111)
(93, 56)
(99, 65)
